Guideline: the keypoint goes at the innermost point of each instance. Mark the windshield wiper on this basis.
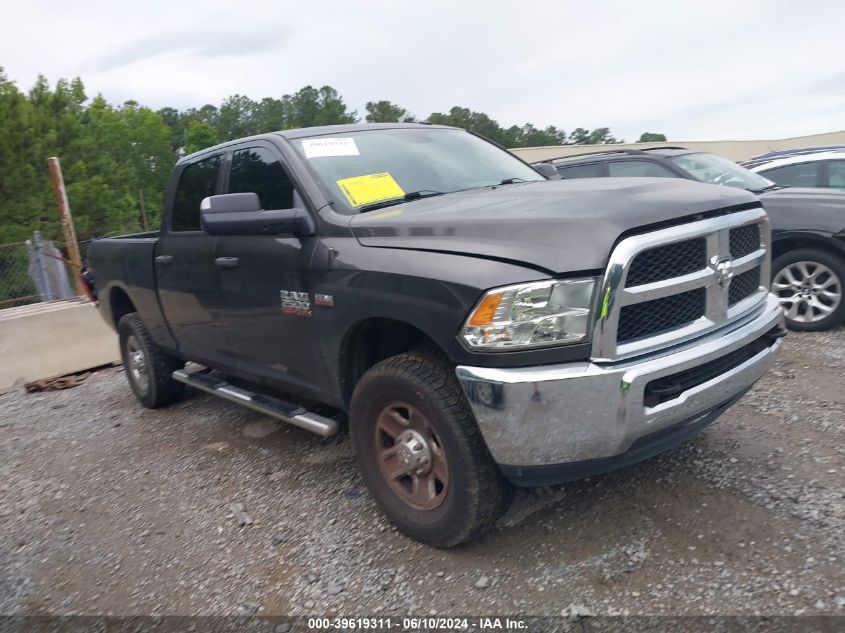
(772, 187)
(412, 195)
(512, 181)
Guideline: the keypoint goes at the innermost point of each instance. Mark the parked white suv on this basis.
(818, 169)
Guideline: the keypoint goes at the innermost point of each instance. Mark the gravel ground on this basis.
(206, 508)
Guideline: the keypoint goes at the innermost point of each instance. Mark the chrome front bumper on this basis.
(550, 415)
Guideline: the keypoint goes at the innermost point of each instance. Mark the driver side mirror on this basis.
(241, 214)
(548, 170)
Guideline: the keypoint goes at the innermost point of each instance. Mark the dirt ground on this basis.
(109, 508)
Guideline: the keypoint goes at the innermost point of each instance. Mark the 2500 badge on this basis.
(299, 303)
(295, 303)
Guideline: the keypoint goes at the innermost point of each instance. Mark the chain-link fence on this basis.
(32, 271)
(16, 287)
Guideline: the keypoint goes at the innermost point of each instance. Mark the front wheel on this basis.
(421, 453)
(809, 284)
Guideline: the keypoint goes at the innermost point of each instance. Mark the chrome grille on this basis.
(744, 240)
(668, 285)
(653, 317)
(670, 260)
(743, 286)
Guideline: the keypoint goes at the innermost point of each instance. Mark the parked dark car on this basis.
(808, 224)
(473, 323)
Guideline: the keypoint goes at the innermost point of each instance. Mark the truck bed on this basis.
(125, 266)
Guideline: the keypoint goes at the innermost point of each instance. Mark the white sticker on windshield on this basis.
(320, 147)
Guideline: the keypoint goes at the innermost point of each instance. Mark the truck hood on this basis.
(556, 225)
(806, 208)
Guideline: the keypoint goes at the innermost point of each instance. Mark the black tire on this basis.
(159, 389)
(476, 494)
(797, 320)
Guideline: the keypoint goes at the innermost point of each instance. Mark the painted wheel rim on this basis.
(410, 456)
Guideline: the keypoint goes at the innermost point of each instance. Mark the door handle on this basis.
(164, 260)
(227, 262)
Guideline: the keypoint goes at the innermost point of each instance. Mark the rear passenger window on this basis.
(198, 181)
(639, 169)
(836, 174)
(801, 175)
(590, 170)
(256, 170)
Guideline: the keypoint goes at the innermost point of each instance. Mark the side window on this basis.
(801, 175)
(257, 170)
(639, 169)
(836, 174)
(590, 170)
(198, 181)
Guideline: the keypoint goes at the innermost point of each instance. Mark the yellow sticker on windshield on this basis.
(362, 190)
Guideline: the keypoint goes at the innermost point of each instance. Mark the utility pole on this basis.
(143, 210)
(67, 221)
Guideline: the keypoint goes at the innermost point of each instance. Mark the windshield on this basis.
(720, 171)
(372, 168)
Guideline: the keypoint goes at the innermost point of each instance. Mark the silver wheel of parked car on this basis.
(808, 291)
(809, 284)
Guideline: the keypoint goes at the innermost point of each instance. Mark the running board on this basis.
(268, 405)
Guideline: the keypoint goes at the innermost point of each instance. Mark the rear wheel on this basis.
(809, 284)
(148, 369)
(421, 453)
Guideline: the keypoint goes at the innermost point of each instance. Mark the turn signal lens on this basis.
(486, 310)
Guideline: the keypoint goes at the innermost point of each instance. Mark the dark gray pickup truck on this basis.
(473, 323)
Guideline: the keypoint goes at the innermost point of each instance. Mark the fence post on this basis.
(43, 281)
(67, 222)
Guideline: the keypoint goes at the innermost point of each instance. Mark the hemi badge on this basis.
(324, 300)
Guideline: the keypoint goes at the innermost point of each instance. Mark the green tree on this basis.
(600, 135)
(530, 136)
(199, 135)
(270, 115)
(387, 112)
(20, 201)
(235, 118)
(476, 122)
(310, 106)
(651, 137)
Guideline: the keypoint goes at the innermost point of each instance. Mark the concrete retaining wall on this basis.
(45, 340)
(735, 150)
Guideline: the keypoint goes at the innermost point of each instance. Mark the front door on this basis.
(266, 303)
(188, 280)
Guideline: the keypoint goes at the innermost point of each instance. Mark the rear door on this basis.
(188, 280)
(266, 305)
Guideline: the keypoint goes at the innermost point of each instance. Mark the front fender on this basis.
(433, 292)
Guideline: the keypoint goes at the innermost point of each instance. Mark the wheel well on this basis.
(372, 341)
(120, 305)
(793, 243)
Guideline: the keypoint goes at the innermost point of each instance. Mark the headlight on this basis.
(539, 314)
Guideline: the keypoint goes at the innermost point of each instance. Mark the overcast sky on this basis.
(707, 70)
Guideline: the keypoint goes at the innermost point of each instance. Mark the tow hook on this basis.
(775, 333)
